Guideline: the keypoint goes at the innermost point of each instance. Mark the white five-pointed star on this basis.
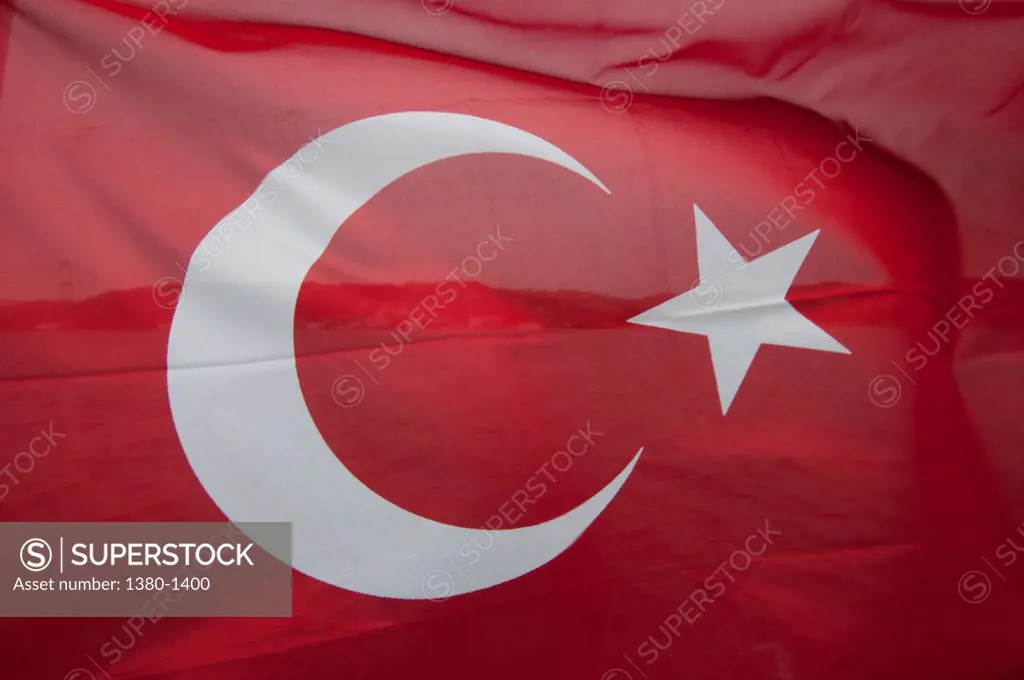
(740, 306)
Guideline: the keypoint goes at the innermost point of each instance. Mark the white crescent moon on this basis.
(234, 391)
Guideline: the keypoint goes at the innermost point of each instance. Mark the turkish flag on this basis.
(702, 325)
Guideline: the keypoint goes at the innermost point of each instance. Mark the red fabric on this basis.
(882, 510)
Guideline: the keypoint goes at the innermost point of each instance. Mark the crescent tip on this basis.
(632, 463)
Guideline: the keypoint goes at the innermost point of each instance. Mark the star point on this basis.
(740, 305)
